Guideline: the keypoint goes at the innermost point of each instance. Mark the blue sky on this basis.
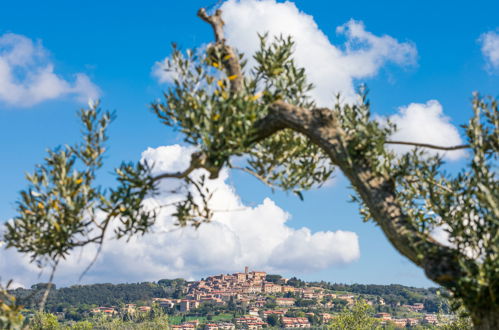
(435, 51)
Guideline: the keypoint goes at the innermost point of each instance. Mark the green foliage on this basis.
(84, 296)
(461, 322)
(82, 325)
(287, 159)
(202, 107)
(465, 206)
(359, 317)
(273, 278)
(44, 321)
(10, 311)
(274, 320)
(57, 212)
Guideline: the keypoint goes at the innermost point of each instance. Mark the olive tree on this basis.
(265, 114)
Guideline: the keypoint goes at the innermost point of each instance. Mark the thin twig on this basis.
(49, 286)
(431, 146)
(256, 175)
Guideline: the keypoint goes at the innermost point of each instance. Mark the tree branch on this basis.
(215, 21)
(378, 192)
(430, 146)
(198, 160)
(256, 175)
(229, 56)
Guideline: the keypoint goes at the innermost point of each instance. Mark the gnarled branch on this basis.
(230, 57)
(378, 192)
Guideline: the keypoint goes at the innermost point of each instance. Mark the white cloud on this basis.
(331, 68)
(161, 73)
(490, 48)
(239, 235)
(426, 123)
(27, 76)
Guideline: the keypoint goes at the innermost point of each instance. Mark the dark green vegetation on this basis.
(81, 297)
(78, 299)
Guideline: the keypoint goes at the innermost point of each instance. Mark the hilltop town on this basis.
(249, 300)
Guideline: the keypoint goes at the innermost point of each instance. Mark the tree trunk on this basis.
(485, 319)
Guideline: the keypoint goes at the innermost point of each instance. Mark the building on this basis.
(295, 322)
(186, 305)
(219, 326)
(285, 301)
(104, 310)
(249, 322)
(384, 316)
(183, 326)
(268, 287)
(400, 323)
(326, 318)
(430, 319)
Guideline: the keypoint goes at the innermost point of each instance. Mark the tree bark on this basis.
(485, 319)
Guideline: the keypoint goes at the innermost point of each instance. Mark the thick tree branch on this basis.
(378, 193)
(230, 57)
(215, 21)
(430, 146)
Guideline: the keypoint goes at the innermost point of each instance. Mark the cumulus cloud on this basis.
(490, 48)
(27, 76)
(331, 68)
(240, 235)
(426, 123)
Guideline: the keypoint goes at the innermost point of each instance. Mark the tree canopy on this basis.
(265, 113)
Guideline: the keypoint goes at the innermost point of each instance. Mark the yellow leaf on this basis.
(226, 57)
(29, 212)
(40, 206)
(233, 77)
(220, 83)
(79, 181)
(256, 96)
(215, 64)
(216, 117)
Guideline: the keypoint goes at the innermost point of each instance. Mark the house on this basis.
(183, 326)
(414, 307)
(249, 322)
(219, 326)
(412, 321)
(326, 318)
(295, 322)
(287, 288)
(430, 319)
(277, 312)
(399, 323)
(144, 309)
(384, 316)
(104, 310)
(268, 287)
(285, 301)
(186, 305)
